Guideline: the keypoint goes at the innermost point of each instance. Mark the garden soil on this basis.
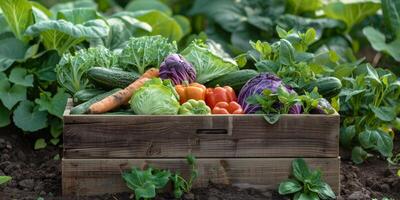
(38, 174)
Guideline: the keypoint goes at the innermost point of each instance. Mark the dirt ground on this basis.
(37, 174)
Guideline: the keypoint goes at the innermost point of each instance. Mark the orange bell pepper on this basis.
(219, 94)
(187, 91)
(227, 108)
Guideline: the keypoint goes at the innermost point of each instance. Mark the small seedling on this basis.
(181, 185)
(4, 179)
(306, 183)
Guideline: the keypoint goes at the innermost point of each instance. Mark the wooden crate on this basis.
(242, 150)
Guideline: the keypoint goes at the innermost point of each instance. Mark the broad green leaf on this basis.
(349, 93)
(3, 24)
(19, 76)
(54, 141)
(391, 14)
(4, 179)
(61, 35)
(378, 42)
(56, 127)
(40, 144)
(300, 169)
(289, 186)
(325, 191)
(138, 5)
(351, 13)
(73, 5)
(300, 6)
(18, 14)
(384, 113)
(346, 135)
(11, 50)
(368, 139)
(78, 15)
(28, 117)
(372, 74)
(184, 23)
(4, 116)
(54, 105)
(272, 118)
(40, 12)
(377, 140)
(45, 68)
(161, 24)
(308, 196)
(286, 52)
(11, 94)
(358, 155)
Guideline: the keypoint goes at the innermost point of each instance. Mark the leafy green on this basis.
(28, 117)
(4, 179)
(146, 51)
(11, 50)
(352, 12)
(78, 15)
(378, 42)
(306, 184)
(10, 95)
(19, 76)
(54, 105)
(155, 98)
(391, 13)
(300, 6)
(40, 144)
(71, 70)
(18, 14)
(181, 185)
(4, 116)
(62, 35)
(209, 64)
(139, 5)
(145, 182)
(71, 5)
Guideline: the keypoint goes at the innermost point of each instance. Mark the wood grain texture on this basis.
(99, 136)
(99, 176)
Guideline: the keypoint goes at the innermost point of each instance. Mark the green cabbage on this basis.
(209, 61)
(155, 98)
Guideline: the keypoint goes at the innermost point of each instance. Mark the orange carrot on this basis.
(123, 96)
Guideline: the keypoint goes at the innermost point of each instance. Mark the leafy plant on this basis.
(4, 179)
(305, 183)
(181, 185)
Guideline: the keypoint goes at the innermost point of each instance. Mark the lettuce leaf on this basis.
(209, 61)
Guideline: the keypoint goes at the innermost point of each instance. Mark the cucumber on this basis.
(236, 79)
(86, 94)
(328, 87)
(111, 78)
(84, 107)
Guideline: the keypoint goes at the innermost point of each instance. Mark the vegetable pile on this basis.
(155, 80)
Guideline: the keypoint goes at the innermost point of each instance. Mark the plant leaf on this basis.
(11, 95)
(308, 196)
(386, 114)
(11, 50)
(78, 15)
(19, 76)
(286, 52)
(28, 118)
(54, 105)
(4, 116)
(139, 5)
(300, 6)
(378, 42)
(40, 144)
(18, 14)
(289, 186)
(391, 14)
(272, 118)
(346, 135)
(4, 179)
(73, 5)
(358, 155)
(300, 169)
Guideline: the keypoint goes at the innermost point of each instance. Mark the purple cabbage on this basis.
(176, 68)
(257, 85)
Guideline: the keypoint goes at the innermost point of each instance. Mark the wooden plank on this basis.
(99, 176)
(98, 136)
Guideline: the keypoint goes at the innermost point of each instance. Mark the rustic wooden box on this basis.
(242, 150)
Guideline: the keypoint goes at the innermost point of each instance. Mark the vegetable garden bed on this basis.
(241, 150)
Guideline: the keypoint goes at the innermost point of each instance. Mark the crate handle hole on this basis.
(212, 131)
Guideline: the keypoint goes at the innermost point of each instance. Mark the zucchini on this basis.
(86, 94)
(111, 78)
(236, 79)
(328, 87)
(83, 107)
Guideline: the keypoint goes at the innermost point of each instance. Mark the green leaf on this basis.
(310, 36)
(289, 186)
(300, 169)
(54, 105)
(40, 144)
(11, 50)
(391, 14)
(56, 127)
(241, 60)
(286, 52)
(352, 12)
(161, 24)
(29, 118)
(78, 15)
(308, 196)
(61, 35)
(18, 14)
(4, 179)
(54, 141)
(346, 135)
(73, 5)
(386, 114)
(358, 155)
(378, 42)
(184, 23)
(139, 5)
(11, 95)
(300, 6)
(325, 191)
(4, 116)
(19, 76)
(272, 118)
